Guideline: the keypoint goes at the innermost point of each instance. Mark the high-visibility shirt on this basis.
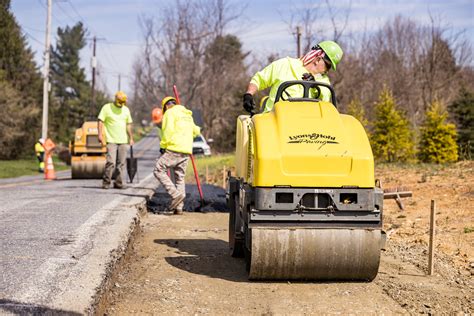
(178, 130)
(287, 69)
(39, 148)
(115, 120)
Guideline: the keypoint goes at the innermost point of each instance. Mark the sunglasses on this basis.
(327, 61)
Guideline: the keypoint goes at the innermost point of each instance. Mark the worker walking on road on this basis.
(39, 150)
(117, 120)
(312, 66)
(178, 132)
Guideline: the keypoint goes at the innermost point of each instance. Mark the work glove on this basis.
(162, 151)
(249, 103)
(308, 77)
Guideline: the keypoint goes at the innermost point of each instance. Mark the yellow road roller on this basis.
(303, 202)
(87, 153)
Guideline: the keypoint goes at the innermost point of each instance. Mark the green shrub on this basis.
(462, 111)
(437, 137)
(392, 138)
(356, 109)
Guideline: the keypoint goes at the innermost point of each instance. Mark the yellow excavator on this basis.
(303, 202)
(87, 153)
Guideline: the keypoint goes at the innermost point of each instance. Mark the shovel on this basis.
(132, 165)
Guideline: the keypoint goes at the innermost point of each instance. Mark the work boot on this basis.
(105, 186)
(176, 201)
(178, 212)
(119, 186)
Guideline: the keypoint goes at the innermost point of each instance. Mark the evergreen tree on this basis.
(462, 111)
(20, 88)
(71, 90)
(438, 138)
(356, 109)
(392, 138)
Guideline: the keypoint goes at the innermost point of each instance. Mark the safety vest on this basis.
(178, 130)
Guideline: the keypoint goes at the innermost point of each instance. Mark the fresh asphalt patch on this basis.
(214, 199)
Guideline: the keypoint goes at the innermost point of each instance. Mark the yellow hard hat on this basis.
(120, 97)
(166, 100)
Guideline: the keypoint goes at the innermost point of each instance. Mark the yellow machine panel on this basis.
(309, 144)
(87, 153)
(86, 140)
(242, 147)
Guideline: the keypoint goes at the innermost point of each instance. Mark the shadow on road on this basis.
(17, 308)
(208, 257)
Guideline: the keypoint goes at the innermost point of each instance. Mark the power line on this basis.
(54, 17)
(77, 13)
(33, 29)
(110, 55)
(123, 43)
(32, 37)
(116, 64)
(64, 11)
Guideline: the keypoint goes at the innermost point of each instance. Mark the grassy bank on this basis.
(215, 166)
(25, 167)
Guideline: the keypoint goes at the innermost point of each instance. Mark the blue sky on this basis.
(261, 27)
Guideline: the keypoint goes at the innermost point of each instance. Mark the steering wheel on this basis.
(307, 85)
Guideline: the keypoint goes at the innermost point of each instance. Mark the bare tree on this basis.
(313, 18)
(175, 50)
(418, 63)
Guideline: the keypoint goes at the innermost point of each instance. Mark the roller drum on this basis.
(314, 254)
(87, 169)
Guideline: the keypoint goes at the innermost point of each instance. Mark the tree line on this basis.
(416, 65)
(21, 88)
(424, 71)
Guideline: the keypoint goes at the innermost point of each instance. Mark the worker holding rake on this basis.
(178, 132)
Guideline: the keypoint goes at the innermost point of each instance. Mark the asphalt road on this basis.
(57, 237)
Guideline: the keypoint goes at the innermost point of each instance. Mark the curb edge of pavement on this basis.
(93, 277)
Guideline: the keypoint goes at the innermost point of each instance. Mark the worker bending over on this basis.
(178, 132)
(312, 66)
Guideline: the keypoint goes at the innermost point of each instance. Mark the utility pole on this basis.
(298, 41)
(44, 132)
(119, 77)
(94, 65)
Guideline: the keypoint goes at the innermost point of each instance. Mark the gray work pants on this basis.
(115, 159)
(177, 162)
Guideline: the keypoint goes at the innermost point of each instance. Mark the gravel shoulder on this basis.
(180, 264)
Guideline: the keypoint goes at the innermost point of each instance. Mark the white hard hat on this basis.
(41, 140)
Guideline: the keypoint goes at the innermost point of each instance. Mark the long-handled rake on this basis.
(196, 175)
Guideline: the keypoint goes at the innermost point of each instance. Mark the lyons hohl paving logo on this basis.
(314, 138)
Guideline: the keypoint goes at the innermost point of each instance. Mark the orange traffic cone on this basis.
(49, 173)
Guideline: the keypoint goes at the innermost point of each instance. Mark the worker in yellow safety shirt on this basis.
(117, 120)
(312, 66)
(178, 132)
(39, 150)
